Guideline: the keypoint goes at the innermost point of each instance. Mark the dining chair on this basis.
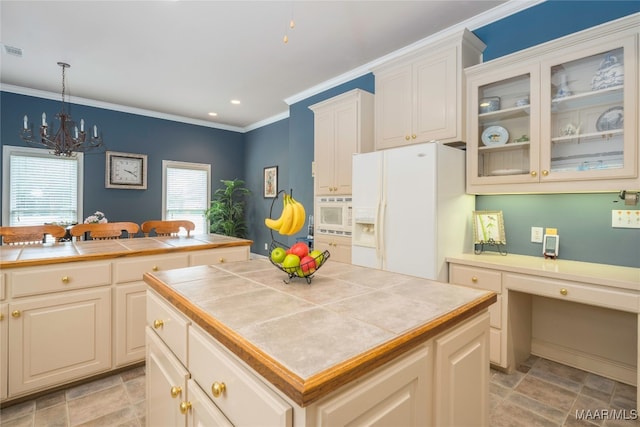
(107, 230)
(30, 234)
(167, 228)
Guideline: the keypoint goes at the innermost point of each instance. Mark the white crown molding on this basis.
(485, 18)
(267, 121)
(116, 107)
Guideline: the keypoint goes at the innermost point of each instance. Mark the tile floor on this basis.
(540, 393)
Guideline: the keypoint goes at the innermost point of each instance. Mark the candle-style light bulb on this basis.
(76, 131)
(95, 131)
(81, 125)
(26, 120)
(44, 119)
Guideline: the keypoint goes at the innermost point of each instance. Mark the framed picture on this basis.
(270, 182)
(126, 171)
(488, 227)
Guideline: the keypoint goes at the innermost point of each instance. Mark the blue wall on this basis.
(289, 145)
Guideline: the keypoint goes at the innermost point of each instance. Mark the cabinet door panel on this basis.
(393, 107)
(203, 412)
(324, 152)
(347, 124)
(56, 339)
(130, 321)
(4, 331)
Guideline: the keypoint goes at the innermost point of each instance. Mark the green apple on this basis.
(278, 255)
(318, 256)
(291, 263)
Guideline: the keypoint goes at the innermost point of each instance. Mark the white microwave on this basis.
(334, 215)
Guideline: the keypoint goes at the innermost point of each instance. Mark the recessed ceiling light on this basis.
(212, 114)
(235, 102)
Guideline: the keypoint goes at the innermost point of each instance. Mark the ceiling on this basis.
(184, 59)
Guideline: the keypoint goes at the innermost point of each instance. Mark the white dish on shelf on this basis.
(495, 135)
(500, 172)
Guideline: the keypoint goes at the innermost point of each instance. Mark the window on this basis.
(39, 187)
(186, 192)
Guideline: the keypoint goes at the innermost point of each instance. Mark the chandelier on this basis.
(62, 142)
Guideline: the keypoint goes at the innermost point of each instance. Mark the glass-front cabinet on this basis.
(552, 118)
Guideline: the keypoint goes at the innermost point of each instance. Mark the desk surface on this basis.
(12, 256)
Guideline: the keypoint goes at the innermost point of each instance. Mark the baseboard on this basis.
(588, 362)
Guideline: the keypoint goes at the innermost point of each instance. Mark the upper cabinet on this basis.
(552, 118)
(343, 125)
(420, 96)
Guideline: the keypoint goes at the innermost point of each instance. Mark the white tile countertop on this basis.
(310, 332)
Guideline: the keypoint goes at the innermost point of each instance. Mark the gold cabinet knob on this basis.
(563, 291)
(65, 279)
(1, 316)
(184, 407)
(157, 324)
(474, 279)
(534, 173)
(218, 388)
(414, 136)
(176, 391)
(155, 268)
(15, 313)
(545, 173)
(407, 137)
(221, 260)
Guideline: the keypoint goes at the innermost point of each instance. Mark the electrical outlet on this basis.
(536, 234)
(625, 218)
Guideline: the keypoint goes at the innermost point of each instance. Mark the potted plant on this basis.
(226, 214)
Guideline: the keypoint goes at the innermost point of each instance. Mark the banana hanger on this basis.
(305, 270)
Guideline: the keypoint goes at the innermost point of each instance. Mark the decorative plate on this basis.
(611, 119)
(495, 135)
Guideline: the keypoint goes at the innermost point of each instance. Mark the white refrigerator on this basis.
(410, 209)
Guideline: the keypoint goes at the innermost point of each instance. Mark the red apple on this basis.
(307, 265)
(300, 249)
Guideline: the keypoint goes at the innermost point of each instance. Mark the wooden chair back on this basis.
(30, 234)
(108, 230)
(167, 228)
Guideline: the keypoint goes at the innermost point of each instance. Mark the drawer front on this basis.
(170, 325)
(219, 256)
(574, 291)
(210, 363)
(131, 270)
(495, 346)
(475, 277)
(58, 278)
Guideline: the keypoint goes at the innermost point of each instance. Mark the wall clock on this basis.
(126, 171)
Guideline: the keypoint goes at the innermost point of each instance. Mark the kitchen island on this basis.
(73, 310)
(235, 345)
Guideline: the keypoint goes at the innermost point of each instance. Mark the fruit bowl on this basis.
(304, 268)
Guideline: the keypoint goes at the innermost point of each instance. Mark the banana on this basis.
(275, 224)
(298, 218)
(287, 220)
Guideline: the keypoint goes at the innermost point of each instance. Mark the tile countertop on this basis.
(307, 340)
(52, 253)
(586, 272)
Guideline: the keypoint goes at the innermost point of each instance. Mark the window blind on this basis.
(42, 188)
(187, 193)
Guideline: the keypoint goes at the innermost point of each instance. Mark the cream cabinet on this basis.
(559, 117)
(339, 247)
(129, 320)
(420, 96)
(57, 338)
(201, 411)
(4, 345)
(343, 125)
(219, 256)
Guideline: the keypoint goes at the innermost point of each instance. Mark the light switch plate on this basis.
(625, 218)
(536, 234)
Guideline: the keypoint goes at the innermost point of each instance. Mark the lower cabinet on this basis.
(202, 412)
(129, 321)
(4, 355)
(339, 247)
(57, 338)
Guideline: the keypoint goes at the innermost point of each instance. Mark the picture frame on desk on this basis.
(270, 182)
(127, 171)
(488, 227)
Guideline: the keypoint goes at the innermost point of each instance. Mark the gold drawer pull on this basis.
(157, 324)
(221, 260)
(545, 173)
(563, 291)
(1, 316)
(154, 268)
(176, 391)
(474, 279)
(15, 313)
(65, 279)
(184, 407)
(413, 136)
(534, 173)
(218, 388)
